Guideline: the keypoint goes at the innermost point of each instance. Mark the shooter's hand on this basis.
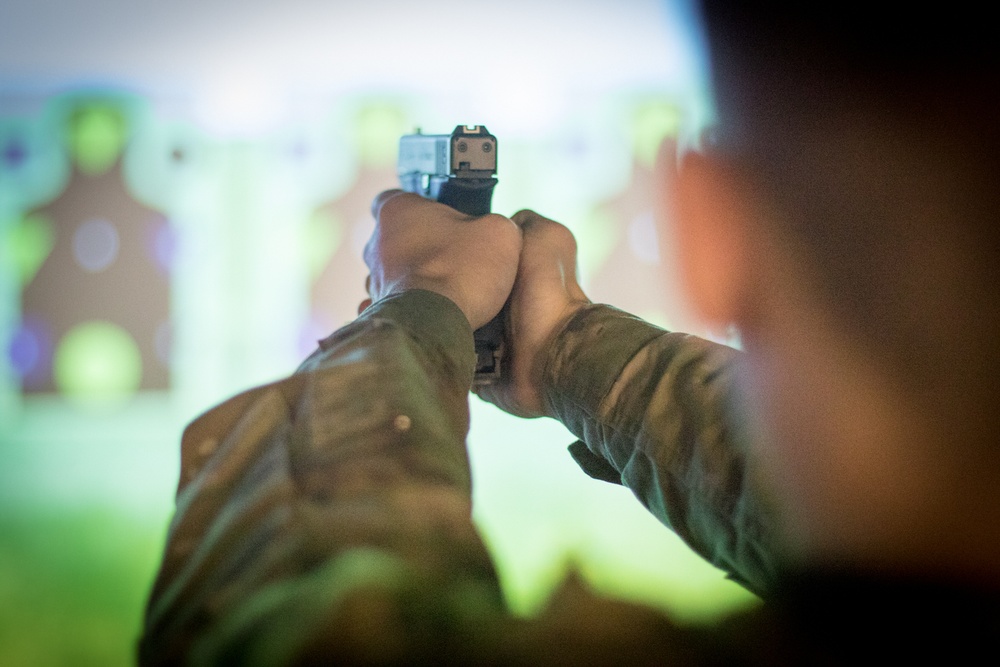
(546, 295)
(421, 244)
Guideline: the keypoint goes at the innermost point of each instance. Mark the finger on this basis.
(368, 284)
(382, 198)
(367, 252)
(537, 229)
(538, 226)
(525, 217)
(363, 306)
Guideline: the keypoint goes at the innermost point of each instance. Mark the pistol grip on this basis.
(490, 348)
(472, 196)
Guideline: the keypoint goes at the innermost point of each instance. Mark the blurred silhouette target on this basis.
(100, 262)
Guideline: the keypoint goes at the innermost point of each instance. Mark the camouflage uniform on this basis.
(326, 518)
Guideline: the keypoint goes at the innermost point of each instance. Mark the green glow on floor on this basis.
(73, 584)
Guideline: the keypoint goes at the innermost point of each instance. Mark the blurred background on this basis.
(184, 192)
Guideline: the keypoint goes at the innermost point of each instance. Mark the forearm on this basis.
(656, 412)
(351, 474)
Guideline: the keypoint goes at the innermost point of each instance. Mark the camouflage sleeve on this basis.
(326, 519)
(309, 508)
(657, 412)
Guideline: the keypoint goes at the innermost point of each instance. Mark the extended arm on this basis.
(324, 501)
(338, 498)
(658, 412)
(655, 411)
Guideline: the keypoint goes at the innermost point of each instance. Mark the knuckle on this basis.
(369, 253)
(553, 232)
(525, 217)
(562, 233)
(501, 229)
(394, 204)
(495, 219)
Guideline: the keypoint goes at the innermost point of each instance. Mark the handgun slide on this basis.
(456, 169)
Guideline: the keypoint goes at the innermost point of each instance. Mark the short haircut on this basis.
(873, 130)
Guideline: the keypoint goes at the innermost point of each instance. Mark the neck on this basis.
(863, 479)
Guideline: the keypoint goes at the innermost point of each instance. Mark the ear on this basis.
(711, 219)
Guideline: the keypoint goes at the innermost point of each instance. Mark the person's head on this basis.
(844, 217)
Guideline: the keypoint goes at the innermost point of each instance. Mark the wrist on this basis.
(427, 315)
(474, 315)
(586, 355)
(529, 368)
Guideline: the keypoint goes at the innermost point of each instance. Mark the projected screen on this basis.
(171, 237)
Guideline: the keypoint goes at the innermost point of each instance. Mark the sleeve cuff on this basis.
(433, 320)
(588, 356)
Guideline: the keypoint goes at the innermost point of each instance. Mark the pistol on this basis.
(459, 170)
